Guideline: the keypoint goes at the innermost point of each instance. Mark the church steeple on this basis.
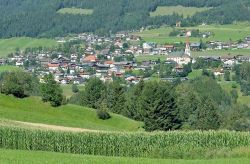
(187, 49)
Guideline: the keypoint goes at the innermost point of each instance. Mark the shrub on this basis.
(75, 89)
(103, 115)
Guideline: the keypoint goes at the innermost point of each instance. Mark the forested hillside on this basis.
(41, 17)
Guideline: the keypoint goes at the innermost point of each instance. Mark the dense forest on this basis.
(39, 18)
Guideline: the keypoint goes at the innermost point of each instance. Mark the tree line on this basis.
(196, 104)
(39, 18)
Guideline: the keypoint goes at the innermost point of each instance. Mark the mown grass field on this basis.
(195, 73)
(220, 33)
(31, 157)
(67, 89)
(245, 52)
(169, 10)
(9, 45)
(34, 110)
(8, 68)
(140, 58)
(75, 11)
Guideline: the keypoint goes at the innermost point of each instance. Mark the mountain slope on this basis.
(41, 17)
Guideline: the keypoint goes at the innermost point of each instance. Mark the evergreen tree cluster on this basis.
(196, 104)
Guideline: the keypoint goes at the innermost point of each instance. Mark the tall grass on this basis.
(151, 145)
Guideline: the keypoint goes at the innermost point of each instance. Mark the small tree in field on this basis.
(51, 91)
(17, 83)
(75, 89)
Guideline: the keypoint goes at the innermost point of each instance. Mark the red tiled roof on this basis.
(109, 62)
(53, 65)
(90, 58)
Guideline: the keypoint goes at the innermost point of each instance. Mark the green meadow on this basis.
(67, 89)
(180, 10)
(8, 68)
(31, 157)
(75, 11)
(220, 33)
(33, 110)
(9, 45)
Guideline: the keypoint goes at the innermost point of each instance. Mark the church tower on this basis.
(187, 49)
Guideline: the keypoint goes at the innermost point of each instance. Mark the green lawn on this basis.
(9, 45)
(31, 157)
(221, 33)
(245, 52)
(67, 89)
(140, 58)
(75, 11)
(169, 10)
(8, 68)
(34, 110)
(194, 74)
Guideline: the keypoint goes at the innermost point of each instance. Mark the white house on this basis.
(180, 59)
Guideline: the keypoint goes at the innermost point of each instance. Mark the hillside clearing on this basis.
(33, 110)
(180, 10)
(234, 32)
(75, 11)
(30, 157)
(10, 45)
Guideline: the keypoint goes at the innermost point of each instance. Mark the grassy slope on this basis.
(33, 110)
(9, 45)
(221, 32)
(30, 157)
(169, 10)
(75, 11)
(8, 68)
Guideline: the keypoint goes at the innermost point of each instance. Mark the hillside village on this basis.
(115, 56)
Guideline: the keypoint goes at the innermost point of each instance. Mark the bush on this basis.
(101, 114)
(75, 89)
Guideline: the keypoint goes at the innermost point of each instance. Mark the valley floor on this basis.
(30, 157)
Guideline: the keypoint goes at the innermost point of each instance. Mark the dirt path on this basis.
(43, 126)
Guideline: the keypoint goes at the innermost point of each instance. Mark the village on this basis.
(115, 56)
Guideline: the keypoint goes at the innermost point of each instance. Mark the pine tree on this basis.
(160, 107)
(93, 92)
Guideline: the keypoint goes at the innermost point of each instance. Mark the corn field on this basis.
(150, 145)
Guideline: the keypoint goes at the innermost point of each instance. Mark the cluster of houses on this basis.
(101, 62)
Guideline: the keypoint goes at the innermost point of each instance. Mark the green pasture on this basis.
(67, 89)
(233, 32)
(10, 45)
(180, 10)
(33, 110)
(75, 11)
